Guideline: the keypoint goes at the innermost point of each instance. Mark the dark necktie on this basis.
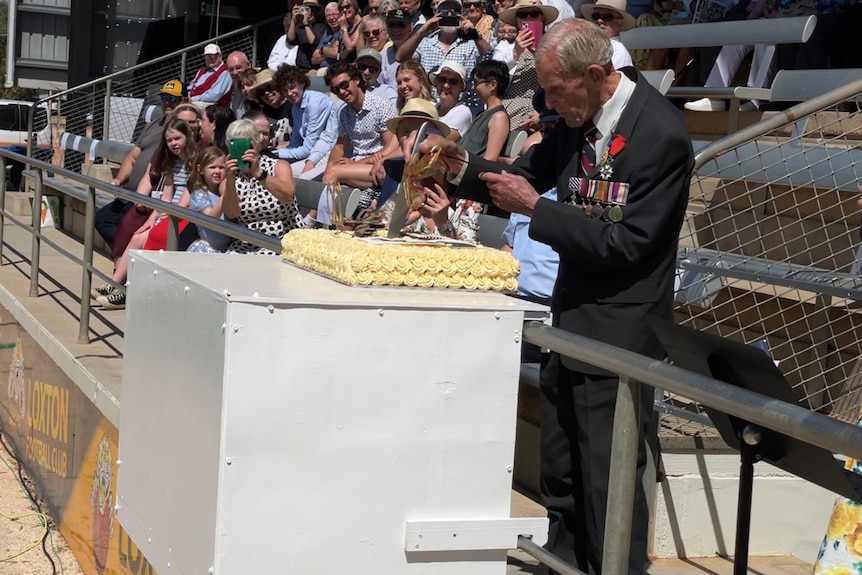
(588, 152)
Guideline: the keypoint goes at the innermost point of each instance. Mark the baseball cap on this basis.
(450, 65)
(370, 53)
(398, 16)
(173, 88)
(211, 49)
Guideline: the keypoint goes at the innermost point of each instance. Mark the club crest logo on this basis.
(17, 388)
(101, 504)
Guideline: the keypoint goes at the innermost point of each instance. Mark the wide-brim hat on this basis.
(418, 108)
(313, 4)
(262, 78)
(509, 15)
(615, 5)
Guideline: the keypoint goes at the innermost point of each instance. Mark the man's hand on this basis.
(531, 122)
(309, 165)
(430, 25)
(511, 192)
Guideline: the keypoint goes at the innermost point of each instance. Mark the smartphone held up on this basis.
(536, 28)
(236, 148)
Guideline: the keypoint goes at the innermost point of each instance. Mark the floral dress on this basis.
(464, 219)
(259, 210)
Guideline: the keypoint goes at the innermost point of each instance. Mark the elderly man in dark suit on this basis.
(621, 161)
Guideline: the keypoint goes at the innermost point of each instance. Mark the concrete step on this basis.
(520, 562)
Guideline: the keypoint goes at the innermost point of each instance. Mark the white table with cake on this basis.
(328, 427)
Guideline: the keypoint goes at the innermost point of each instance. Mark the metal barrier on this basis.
(792, 420)
(87, 192)
(769, 251)
(115, 107)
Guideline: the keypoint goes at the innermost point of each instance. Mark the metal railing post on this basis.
(183, 67)
(254, 45)
(87, 276)
(546, 557)
(36, 223)
(106, 122)
(622, 478)
(173, 233)
(30, 121)
(2, 203)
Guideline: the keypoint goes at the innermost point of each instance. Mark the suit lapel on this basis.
(570, 157)
(630, 114)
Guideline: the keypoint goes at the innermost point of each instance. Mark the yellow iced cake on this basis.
(369, 261)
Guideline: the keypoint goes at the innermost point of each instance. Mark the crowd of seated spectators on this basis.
(340, 93)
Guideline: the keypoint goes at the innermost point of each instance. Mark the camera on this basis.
(304, 9)
(448, 17)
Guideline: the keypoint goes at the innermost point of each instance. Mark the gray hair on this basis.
(391, 4)
(577, 45)
(331, 5)
(243, 129)
(377, 20)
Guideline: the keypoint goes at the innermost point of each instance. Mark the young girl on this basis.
(168, 180)
(207, 184)
(413, 82)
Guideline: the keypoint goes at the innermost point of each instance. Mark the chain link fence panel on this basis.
(770, 256)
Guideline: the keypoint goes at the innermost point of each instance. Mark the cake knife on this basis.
(399, 213)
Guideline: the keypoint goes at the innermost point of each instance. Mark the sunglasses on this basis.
(268, 88)
(370, 33)
(345, 8)
(167, 98)
(473, 6)
(604, 16)
(367, 68)
(447, 80)
(338, 88)
(525, 14)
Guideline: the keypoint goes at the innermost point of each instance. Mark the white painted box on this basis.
(275, 421)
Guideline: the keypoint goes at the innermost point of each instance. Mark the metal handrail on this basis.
(792, 420)
(775, 122)
(124, 72)
(175, 214)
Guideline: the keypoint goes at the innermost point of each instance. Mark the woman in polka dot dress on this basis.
(262, 196)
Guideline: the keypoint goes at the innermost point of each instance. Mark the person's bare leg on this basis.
(136, 243)
(353, 174)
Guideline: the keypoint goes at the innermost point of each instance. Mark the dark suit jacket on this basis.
(613, 276)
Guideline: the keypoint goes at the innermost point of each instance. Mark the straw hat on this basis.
(508, 16)
(418, 108)
(262, 78)
(615, 5)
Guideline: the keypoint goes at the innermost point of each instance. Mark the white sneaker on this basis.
(705, 105)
